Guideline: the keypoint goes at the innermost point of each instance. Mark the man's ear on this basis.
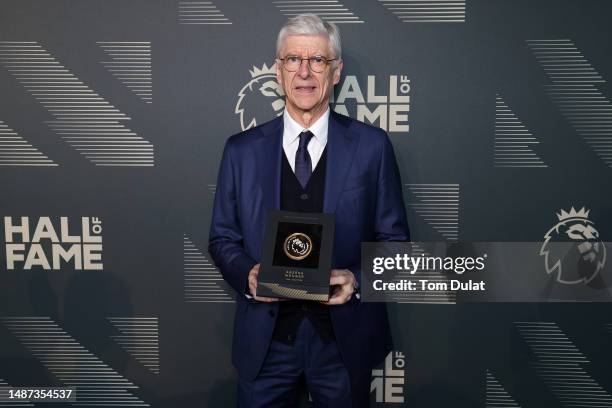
(338, 71)
(279, 77)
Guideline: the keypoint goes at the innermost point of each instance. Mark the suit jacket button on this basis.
(304, 196)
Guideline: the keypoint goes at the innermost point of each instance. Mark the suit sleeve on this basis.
(225, 242)
(390, 223)
(390, 219)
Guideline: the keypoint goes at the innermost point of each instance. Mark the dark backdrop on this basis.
(493, 139)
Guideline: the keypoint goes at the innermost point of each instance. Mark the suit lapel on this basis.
(341, 147)
(269, 151)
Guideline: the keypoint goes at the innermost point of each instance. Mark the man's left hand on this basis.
(343, 283)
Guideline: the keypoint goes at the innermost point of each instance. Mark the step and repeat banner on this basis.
(113, 117)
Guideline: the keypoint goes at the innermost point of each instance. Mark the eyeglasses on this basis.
(317, 63)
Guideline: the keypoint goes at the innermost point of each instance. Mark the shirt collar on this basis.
(292, 129)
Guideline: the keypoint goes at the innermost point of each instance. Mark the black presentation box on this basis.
(296, 259)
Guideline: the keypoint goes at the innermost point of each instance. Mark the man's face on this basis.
(306, 90)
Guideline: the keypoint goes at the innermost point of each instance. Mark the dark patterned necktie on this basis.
(303, 164)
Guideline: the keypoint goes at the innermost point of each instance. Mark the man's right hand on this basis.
(253, 273)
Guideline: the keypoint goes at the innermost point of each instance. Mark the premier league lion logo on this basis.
(297, 246)
(586, 257)
(261, 98)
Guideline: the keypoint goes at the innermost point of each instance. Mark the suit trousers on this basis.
(285, 368)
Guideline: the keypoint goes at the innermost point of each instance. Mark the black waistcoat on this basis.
(298, 199)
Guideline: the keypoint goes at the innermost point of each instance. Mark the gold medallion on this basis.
(297, 246)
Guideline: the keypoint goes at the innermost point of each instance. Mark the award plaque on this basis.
(296, 259)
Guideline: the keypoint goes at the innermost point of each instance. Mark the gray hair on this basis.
(310, 24)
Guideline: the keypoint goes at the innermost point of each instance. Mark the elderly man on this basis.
(310, 160)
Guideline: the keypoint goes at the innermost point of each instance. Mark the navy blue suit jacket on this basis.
(362, 188)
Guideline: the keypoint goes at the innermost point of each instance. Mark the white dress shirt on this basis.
(291, 138)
